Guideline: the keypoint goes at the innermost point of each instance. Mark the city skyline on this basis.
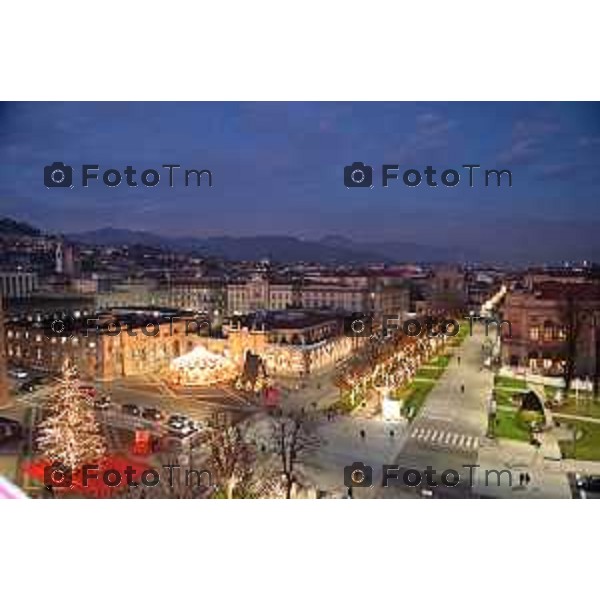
(278, 170)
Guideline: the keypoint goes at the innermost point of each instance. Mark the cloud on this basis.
(432, 132)
(528, 140)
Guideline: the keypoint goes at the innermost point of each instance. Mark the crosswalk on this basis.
(442, 437)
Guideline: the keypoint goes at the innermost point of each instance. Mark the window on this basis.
(534, 333)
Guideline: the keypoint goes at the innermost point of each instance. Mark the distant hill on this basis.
(12, 227)
(402, 251)
(253, 248)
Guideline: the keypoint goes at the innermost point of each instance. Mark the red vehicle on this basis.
(90, 390)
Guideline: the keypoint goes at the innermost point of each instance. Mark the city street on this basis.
(446, 434)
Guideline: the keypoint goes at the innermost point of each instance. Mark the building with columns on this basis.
(17, 284)
(350, 294)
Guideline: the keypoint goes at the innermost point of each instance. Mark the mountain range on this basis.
(504, 242)
(330, 249)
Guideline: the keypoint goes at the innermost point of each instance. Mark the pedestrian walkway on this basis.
(461, 395)
(445, 438)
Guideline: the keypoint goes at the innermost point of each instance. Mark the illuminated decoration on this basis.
(254, 376)
(70, 436)
(110, 479)
(143, 442)
(271, 397)
(389, 364)
(202, 367)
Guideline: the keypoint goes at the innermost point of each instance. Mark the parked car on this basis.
(177, 421)
(186, 429)
(9, 429)
(27, 387)
(90, 390)
(18, 373)
(590, 483)
(102, 403)
(131, 409)
(152, 414)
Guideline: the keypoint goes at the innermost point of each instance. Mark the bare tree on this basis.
(291, 440)
(572, 324)
(231, 456)
(177, 485)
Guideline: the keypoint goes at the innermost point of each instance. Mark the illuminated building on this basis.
(105, 346)
(332, 292)
(541, 320)
(126, 341)
(202, 367)
(3, 367)
(17, 284)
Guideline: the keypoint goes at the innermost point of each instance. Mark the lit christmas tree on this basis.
(70, 435)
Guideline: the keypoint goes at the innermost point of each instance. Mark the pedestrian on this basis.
(392, 433)
(521, 479)
(458, 358)
(363, 434)
(462, 388)
(527, 478)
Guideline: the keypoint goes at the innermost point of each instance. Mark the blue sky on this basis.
(278, 168)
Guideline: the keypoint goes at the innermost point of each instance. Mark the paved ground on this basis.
(447, 433)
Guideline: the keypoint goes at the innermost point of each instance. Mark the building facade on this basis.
(104, 346)
(549, 321)
(3, 359)
(338, 293)
(127, 342)
(17, 284)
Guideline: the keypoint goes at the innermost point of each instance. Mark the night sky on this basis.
(278, 169)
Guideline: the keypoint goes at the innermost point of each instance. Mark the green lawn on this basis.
(582, 404)
(503, 397)
(509, 382)
(415, 393)
(509, 424)
(414, 396)
(429, 372)
(441, 361)
(587, 445)
(582, 408)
